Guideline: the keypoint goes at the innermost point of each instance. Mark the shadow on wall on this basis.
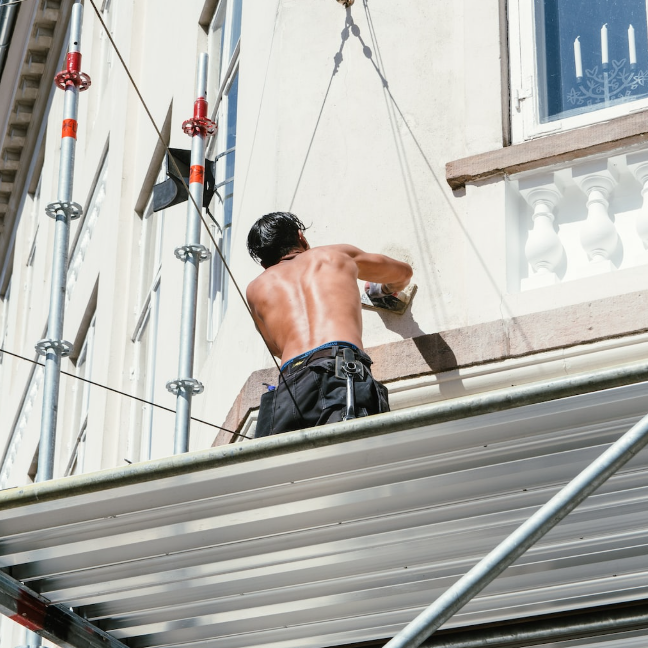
(404, 325)
(429, 282)
(436, 352)
(349, 26)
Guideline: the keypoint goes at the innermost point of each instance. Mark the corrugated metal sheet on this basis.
(343, 542)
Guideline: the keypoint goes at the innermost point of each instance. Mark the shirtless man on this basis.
(307, 307)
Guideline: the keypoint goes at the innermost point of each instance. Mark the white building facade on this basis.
(497, 146)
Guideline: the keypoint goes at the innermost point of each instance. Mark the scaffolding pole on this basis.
(8, 15)
(72, 81)
(542, 521)
(588, 622)
(192, 253)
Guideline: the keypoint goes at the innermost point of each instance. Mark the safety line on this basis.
(121, 393)
(198, 209)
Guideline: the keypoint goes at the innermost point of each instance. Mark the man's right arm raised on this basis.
(394, 275)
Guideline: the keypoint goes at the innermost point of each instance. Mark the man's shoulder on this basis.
(260, 283)
(337, 248)
(254, 286)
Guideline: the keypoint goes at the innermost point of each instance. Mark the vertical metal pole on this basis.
(7, 19)
(509, 550)
(72, 81)
(192, 253)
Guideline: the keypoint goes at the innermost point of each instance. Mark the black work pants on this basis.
(313, 395)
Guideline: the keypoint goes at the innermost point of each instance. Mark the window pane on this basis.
(216, 42)
(232, 105)
(237, 6)
(573, 38)
(4, 324)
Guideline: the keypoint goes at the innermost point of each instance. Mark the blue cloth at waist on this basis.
(328, 345)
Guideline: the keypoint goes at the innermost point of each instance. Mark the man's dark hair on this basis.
(273, 236)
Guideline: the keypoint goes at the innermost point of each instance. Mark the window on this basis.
(145, 335)
(224, 52)
(4, 324)
(7, 478)
(580, 61)
(81, 391)
(87, 226)
(107, 54)
(33, 224)
(103, 57)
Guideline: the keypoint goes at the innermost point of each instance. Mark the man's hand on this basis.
(377, 290)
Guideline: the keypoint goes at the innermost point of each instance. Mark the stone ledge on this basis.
(479, 344)
(623, 132)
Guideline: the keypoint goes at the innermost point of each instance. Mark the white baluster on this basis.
(599, 236)
(638, 164)
(543, 249)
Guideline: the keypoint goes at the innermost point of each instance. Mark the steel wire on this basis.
(122, 393)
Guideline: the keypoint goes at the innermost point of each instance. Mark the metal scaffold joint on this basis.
(72, 75)
(61, 347)
(71, 210)
(185, 385)
(199, 124)
(200, 252)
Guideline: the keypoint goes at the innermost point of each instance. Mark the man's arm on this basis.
(394, 275)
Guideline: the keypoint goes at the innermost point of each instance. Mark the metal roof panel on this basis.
(316, 540)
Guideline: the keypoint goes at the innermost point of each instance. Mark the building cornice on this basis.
(25, 90)
(624, 133)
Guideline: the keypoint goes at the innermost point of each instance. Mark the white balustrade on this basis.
(543, 250)
(638, 164)
(575, 234)
(599, 236)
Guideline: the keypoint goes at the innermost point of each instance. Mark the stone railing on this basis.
(587, 219)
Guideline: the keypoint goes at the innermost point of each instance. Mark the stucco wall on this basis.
(346, 117)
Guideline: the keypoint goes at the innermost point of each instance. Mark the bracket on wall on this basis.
(172, 191)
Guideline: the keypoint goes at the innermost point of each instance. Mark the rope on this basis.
(121, 393)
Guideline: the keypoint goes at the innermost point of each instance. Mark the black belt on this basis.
(330, 352)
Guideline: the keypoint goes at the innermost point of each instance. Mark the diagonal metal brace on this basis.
(53, 622)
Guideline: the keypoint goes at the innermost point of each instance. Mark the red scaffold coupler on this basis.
(72, 74)
(200, 108)
(199, 124)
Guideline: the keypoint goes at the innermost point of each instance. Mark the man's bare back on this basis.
(306, 305)
(311, 296)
